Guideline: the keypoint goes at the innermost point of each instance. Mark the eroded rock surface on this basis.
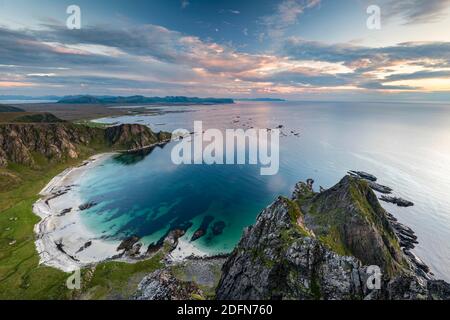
(19, 142)
(324, 246)
(163, 285)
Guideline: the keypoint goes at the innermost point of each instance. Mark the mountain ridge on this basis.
(89, 99)
(19, 142)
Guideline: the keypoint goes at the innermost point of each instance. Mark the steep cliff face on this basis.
(133, 136)
(20, 142)
(320, 246)
(349, 219)
(278, 258)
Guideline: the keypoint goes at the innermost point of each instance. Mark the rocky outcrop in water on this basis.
(379, 187)
(24, 143)
(363, 175)
(202, 229)
(128, 243)
(397, 200)
(327, 245)
(370, 179)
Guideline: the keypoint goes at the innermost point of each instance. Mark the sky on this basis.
(292, 49)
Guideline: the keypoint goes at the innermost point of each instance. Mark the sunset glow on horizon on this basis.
(293, 49)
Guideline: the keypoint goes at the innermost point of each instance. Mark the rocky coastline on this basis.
(322, 245)
(314, 245)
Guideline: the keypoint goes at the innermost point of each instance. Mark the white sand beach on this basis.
(185, 249)
(63, 241)
(59, 235)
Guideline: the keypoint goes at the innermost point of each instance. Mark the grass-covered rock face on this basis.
(319, 246)
(280, 258)
(349, 219)
(43, 117)
(45, 136)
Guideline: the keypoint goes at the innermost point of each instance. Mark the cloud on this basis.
(156, 42)
(416, 11)
(375, 68)
(286, 14)
(184, 4)
(419, 75)
(153, 59)
(23, 48)
(367, 57)
(229, 11)
(380, 86)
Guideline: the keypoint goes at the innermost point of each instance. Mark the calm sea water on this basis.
(406, 145)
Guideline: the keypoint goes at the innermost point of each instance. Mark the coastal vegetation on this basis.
(32, 152)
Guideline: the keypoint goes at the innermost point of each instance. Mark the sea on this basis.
(406, 145)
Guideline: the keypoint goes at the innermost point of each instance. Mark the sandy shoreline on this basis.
(59, 236)
(62, 240)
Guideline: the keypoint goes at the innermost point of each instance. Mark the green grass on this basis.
(21, 276)
(295, 214)
(92, 124)
(116, 280)
(333, 241)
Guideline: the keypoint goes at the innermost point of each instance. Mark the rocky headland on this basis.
(325, 245)
(58, 141)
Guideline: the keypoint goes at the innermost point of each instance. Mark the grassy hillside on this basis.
(21, 276)
(38, 118)
(6, 108)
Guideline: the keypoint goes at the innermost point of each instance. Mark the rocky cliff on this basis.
(326, 245)
(133, 136)
(23, 143)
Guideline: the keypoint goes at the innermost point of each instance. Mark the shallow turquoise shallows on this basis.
(406, 145)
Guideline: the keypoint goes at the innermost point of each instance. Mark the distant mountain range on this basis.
(22, 97)
(261, 99)
(87, 99)
(94, 99)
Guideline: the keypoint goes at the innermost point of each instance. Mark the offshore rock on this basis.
(396, 200)
(363, 175)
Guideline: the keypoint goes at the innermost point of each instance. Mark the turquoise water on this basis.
(406, 145)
